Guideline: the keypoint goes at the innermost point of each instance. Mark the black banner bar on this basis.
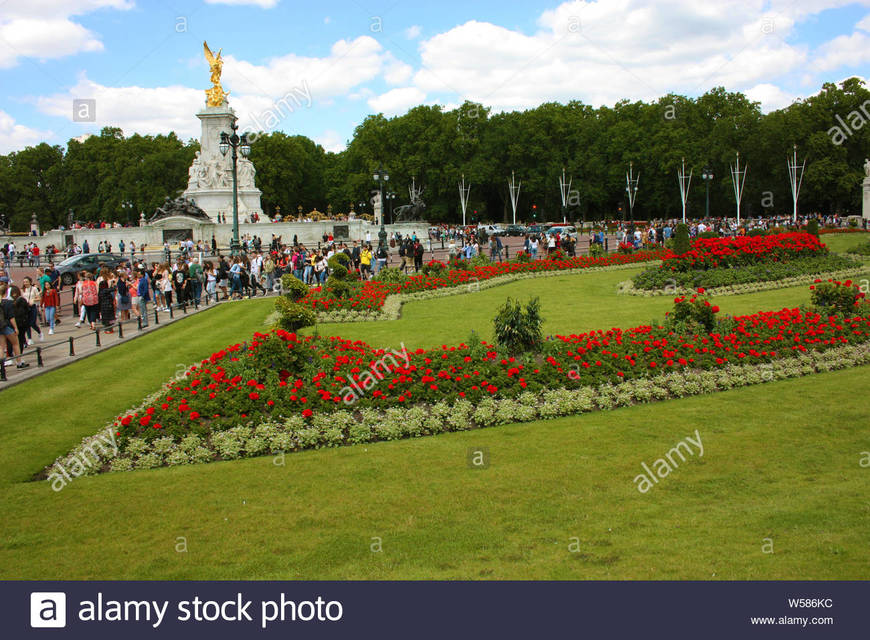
(440, 610)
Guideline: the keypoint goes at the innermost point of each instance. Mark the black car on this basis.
(515, 230)
(70, 268)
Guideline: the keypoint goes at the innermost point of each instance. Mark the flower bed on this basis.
(294, 392)
(373, 294)
(777, 275)
(741, 251)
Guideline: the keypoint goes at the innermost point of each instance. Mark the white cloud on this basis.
(396, 71)
(142, 110)
(42, 29)
(331, 141)
(864, 23)
(263, 4)
(16, 136)
(349, 64)
(397, 101)
(603, 51)
(843, 51)
(770, 96)
(413, 32)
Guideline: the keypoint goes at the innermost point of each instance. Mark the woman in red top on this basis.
(50, 303)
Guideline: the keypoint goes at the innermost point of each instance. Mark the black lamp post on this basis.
(236, 143)
(707, 177)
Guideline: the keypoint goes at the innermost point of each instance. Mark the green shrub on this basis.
(659, 278)
(708, 234)
(523, 256)
(337, 271)
(339, 259)
(293, 287)
(836, 297)
(681, 239)
(391, 275)
(517, 330)
(339, 287)
(596, 250)
(480, 260)
(293, 316)
(813, 227)
(434, 268)
(692, 315)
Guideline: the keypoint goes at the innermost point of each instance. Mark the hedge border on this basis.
(627, 288)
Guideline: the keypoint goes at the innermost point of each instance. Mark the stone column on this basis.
(865, 212)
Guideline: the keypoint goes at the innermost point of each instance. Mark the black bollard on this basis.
(139, 320)
(184, 306)
(170, 312)
(120, 330)
(39, 362)
(607, 244)
(3, 369)
(156, 316)
(97, 333)
(72, 350)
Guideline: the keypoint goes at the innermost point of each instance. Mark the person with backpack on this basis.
(124, 298)
(380, 258)
(9, 327)
(90, 299)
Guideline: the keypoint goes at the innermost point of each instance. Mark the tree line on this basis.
(91, 179)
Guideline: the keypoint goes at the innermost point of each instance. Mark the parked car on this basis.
(515, 230)
(562, 230)
(491, 229)
(70, 268)
(537, 229)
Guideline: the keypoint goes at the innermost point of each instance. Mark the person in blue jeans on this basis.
(143, 291)
(236, 278)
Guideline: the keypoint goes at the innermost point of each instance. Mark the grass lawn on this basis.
(781, 462)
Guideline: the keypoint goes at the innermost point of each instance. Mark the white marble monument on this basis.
(210, 177)
(865, 212)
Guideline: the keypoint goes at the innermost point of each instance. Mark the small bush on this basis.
(339, 259)
(391, 275)
(434, 268)
(293, 287)
(692, 315)
(518, 331)
(835, 297)
(813, 227)
(293, 316)
(681, 239)
(339, 287)
(523, 256)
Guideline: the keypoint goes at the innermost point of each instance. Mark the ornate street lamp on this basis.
(390, 197)
(707, 177)
(237, 144)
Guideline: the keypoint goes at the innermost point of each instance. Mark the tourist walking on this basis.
(106, 297)
(50, 303)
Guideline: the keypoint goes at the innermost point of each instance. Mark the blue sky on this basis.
(318, 69)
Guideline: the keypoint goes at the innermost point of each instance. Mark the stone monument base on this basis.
(865, 211)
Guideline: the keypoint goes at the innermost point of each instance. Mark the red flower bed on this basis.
(282, 374)
(711, 253)
(373, 294)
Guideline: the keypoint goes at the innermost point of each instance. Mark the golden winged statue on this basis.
(216, 96)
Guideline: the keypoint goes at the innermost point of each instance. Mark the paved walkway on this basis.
(54, 351)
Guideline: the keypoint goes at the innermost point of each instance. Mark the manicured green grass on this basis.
(569, 304)
(781, 461)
